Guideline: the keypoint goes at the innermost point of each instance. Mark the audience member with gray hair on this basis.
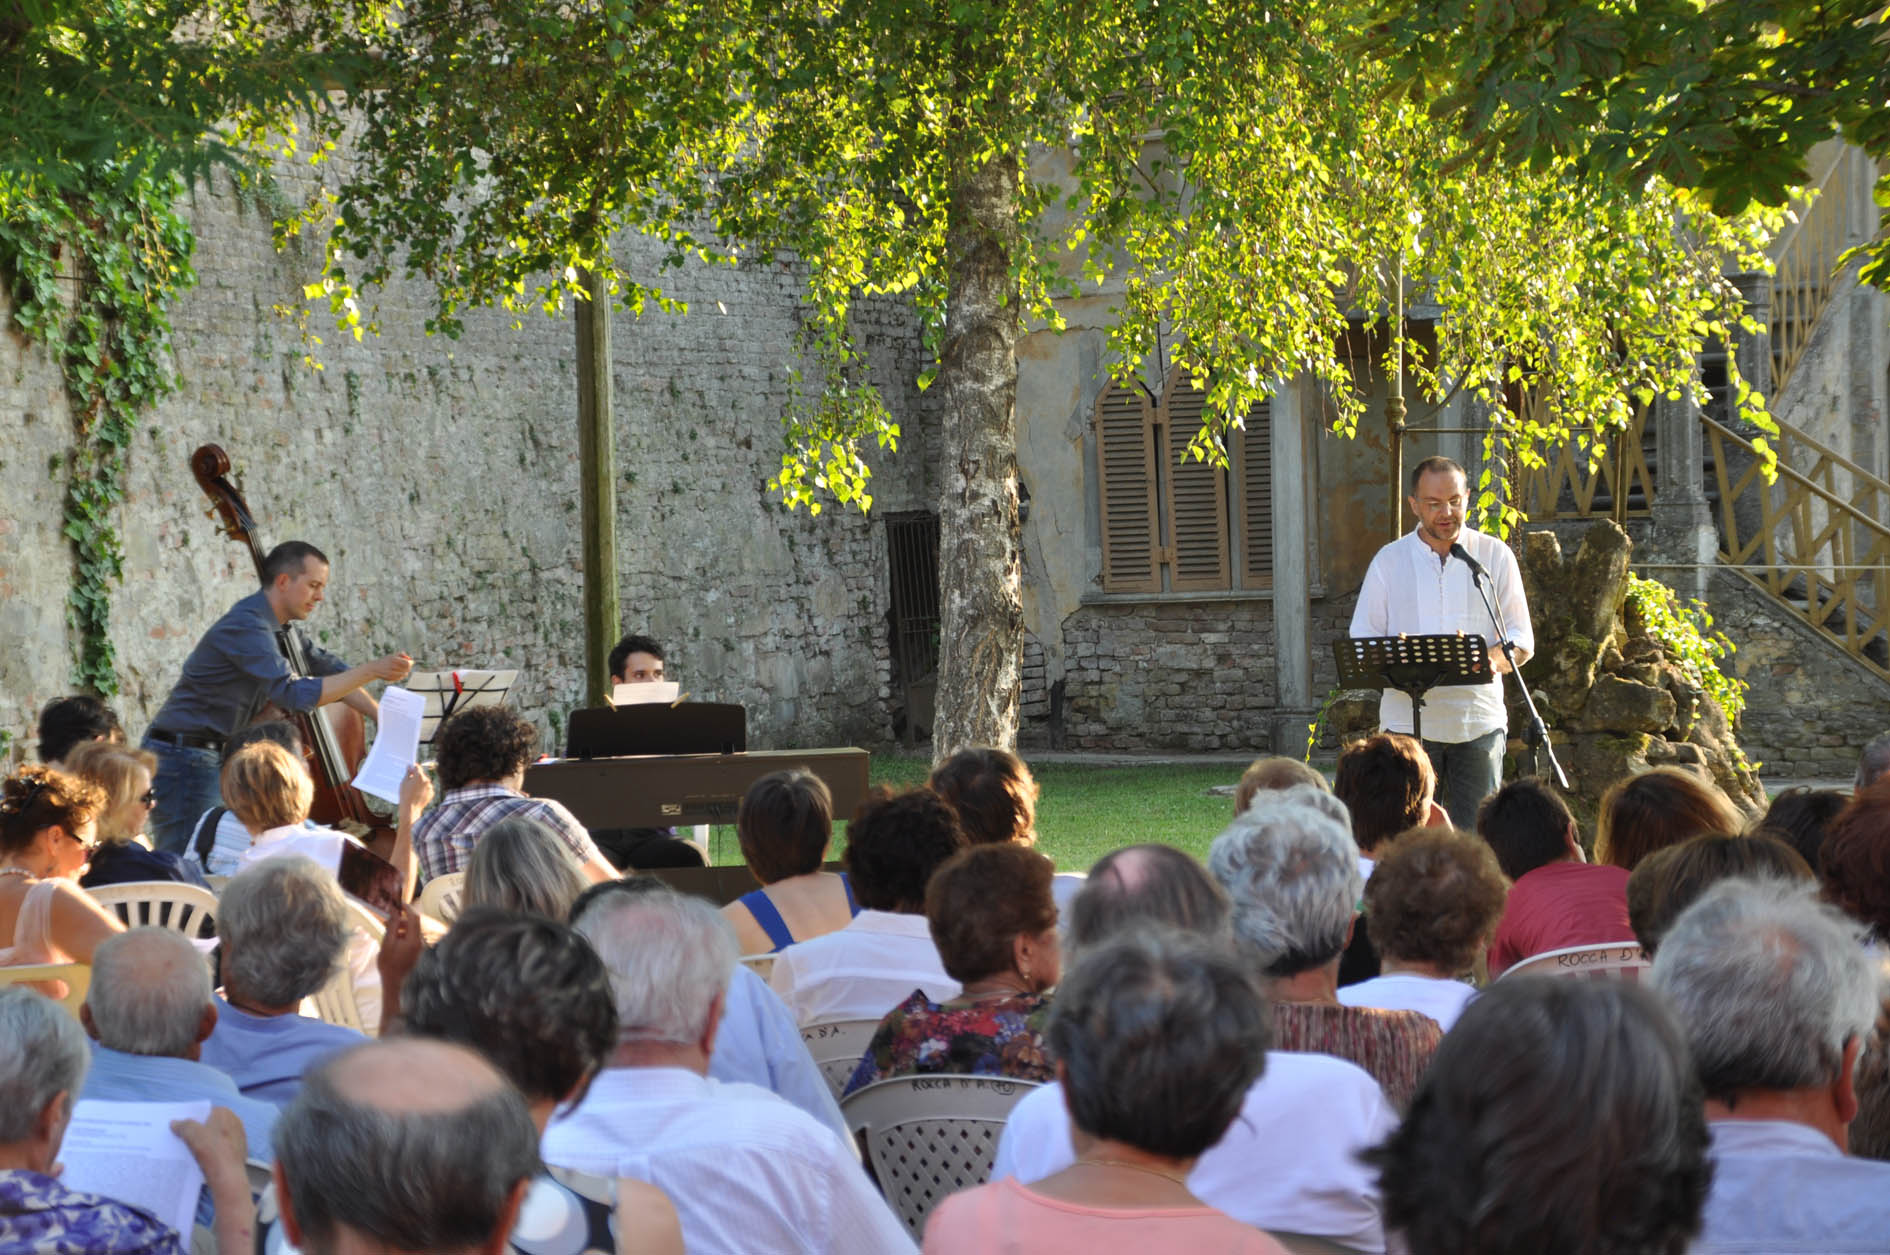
(43, 1062)
(519, 865)
(1291, 868)
(149, 1009)
(407, 1144)
(1560, 1117)
(1777, 994)
(745, 1170)
(1289, 1163)
(283, 931)
(1158, 1038)
(1872, 762)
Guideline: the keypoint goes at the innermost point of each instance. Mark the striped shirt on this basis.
(444, 837)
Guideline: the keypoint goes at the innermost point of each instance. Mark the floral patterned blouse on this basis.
(39, 1216)
(996, 1037)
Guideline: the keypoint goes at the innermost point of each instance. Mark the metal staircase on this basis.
(1816, 539)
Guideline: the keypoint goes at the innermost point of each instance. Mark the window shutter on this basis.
(1197, 499)
(1125, 453)
(1253, 463)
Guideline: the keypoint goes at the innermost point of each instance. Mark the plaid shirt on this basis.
(444, 837)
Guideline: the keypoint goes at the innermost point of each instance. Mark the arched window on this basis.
(1172, 523)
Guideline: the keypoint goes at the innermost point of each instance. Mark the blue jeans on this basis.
(186, 786)
(1467, 772)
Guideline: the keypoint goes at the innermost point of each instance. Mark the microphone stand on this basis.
(1537, 738)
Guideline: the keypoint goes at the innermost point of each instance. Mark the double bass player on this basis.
(237, 667)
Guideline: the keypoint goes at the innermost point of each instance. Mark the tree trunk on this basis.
(981, 610)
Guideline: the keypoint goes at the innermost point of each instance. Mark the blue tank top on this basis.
(762, 907)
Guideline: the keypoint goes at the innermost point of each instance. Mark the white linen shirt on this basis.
(1442, 1000)
(1287, 1162)
(746, 1170)
(1781, 1188)
(862, 971)
(1408, 591)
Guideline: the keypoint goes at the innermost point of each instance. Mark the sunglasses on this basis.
(147, 798)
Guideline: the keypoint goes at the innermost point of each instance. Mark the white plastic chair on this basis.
(1611, 960)
(441, 897)
(161, 904)
(930, 1135)
(837, 1046)
(761, 965)
(334, 1002)
(77, 978)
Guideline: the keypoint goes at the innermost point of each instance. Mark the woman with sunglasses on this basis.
(123, 854)
(48, 819)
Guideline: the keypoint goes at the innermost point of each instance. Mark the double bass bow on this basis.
(336, 735)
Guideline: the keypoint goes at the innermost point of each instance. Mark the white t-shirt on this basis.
(1287, 1163)
(1442, 1000)
(861, 971)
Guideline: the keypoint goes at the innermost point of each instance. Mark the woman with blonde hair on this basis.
(1658, 808)
(47, 823)
(122, 855)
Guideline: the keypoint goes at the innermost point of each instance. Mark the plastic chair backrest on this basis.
(160, 904)
(1612, 960)
(440, 898)
(930, 1135)
(334, 1002)
(837, 1046)
(761, 965)
(76, 976)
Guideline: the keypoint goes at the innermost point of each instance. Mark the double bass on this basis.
(335, 736)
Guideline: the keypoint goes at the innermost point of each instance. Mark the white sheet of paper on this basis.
(126, 1151)
(645, 694)
(396, 744)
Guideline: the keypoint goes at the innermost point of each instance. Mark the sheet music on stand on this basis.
(449, 692)
(1413, 665)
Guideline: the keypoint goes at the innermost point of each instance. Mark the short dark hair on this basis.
(414, 1180)
(1526, 823)
(1855, 862)
(894, 844)
(1801, 818)
(982, 898)
(483, 743)
(633, 644)
(1434, 464)
(1559, 1117)
(36, 798)
(992, 791)
(276, 731)
(785, 824)
(1141, 884)
(288, 558)
(528, 993)
(1160, 1035)
(1386, 782)
(1668, 881)
(69, 721)
(1434, 897)
(1661, 806)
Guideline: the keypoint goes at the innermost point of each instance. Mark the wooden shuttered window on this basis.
(1173, 523)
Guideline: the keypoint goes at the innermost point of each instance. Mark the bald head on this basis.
(150, 994)
(1156, 883)
(413, 1143)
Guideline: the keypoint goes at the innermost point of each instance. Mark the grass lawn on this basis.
(1085, 811)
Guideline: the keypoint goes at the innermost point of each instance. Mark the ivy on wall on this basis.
(93, 272)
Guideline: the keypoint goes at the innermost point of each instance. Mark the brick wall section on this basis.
(441, 476)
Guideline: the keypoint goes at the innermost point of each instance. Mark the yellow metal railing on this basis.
(1578, 472)
(1822, 554)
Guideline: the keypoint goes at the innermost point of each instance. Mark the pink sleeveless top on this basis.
(32, 936)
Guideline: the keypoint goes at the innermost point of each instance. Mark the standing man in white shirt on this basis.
(1416, 587)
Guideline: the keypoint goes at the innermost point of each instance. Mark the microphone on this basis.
(1458, 552)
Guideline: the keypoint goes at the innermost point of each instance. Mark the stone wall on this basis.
(440, 476)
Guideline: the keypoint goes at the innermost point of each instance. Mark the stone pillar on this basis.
(1685, 534)
(1753, 350)
(1292, 570)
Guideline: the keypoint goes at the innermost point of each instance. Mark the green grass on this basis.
(1085, 811)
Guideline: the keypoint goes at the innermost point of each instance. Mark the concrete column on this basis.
(1753, 350)
(1685, 534)
(1292, 569)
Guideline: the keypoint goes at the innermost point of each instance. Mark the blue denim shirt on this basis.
(236, 668)
(1781, 1188)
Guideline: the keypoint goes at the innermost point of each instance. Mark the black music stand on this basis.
(1413, 665)
(658, 728)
